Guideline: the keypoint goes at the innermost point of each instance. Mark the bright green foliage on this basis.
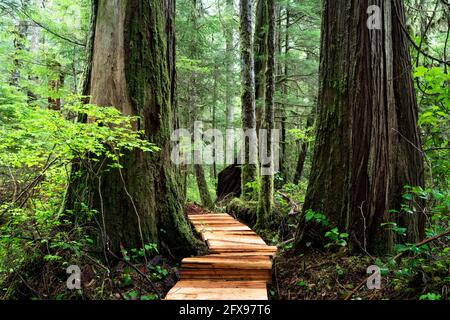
(336, 238)
(41, 45)
(37, 147)
(192, 193)
(317, 217)
(30, 135)
(430, 296)
(434, 120)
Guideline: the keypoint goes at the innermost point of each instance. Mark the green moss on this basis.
(243, 210)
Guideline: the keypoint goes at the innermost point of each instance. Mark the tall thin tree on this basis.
(249, 170)
(229, 84)
(260, 57)
(266, 193)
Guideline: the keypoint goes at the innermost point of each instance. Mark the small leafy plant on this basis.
(317, 217)
(336, 238)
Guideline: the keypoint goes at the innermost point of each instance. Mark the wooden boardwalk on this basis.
(238, 266)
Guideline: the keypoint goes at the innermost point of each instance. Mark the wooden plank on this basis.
(222, 284)
(196, 216)
(213, 220)
(219, 228)
(213, 243)
(234, 232)
(242, 254)
(219, 290)
(251, 239)
(214, 217)
(232, 274)
(217, 256)
(226, 274)
(217, 223)
(196, 221)
(253, 263)
(238, 255)
(205, 234)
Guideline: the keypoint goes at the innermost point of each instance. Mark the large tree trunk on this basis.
(260, 52)
(249, 170)
(367, 146)
(141, 202)
(265, 205)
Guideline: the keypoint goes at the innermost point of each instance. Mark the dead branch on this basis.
(295, 207)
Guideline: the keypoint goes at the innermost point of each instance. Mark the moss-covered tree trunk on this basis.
(132, 69)
(203, 190)
(260, 57)
(266, 193)
(249, 170)
(282, 107)
(368, 146)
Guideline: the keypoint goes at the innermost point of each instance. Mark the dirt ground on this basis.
(320, 276)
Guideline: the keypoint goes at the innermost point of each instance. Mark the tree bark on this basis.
(228, 73)
(203, 190)
(214, 120)
(249, 170)
(55, 83)
(265, 206)
(141, 202)
(284, 69)
(368, 146)
(260, 53)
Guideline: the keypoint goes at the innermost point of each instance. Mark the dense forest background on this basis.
(85, 171)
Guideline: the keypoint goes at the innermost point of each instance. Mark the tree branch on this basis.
(76, 42)
(412, 41)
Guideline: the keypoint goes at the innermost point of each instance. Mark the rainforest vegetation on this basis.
(346, 106)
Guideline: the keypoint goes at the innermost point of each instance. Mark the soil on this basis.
(322, 276)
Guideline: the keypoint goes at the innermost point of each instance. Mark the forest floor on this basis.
(311, 275)
(131, 285)
(121, 282)
(319, 276)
